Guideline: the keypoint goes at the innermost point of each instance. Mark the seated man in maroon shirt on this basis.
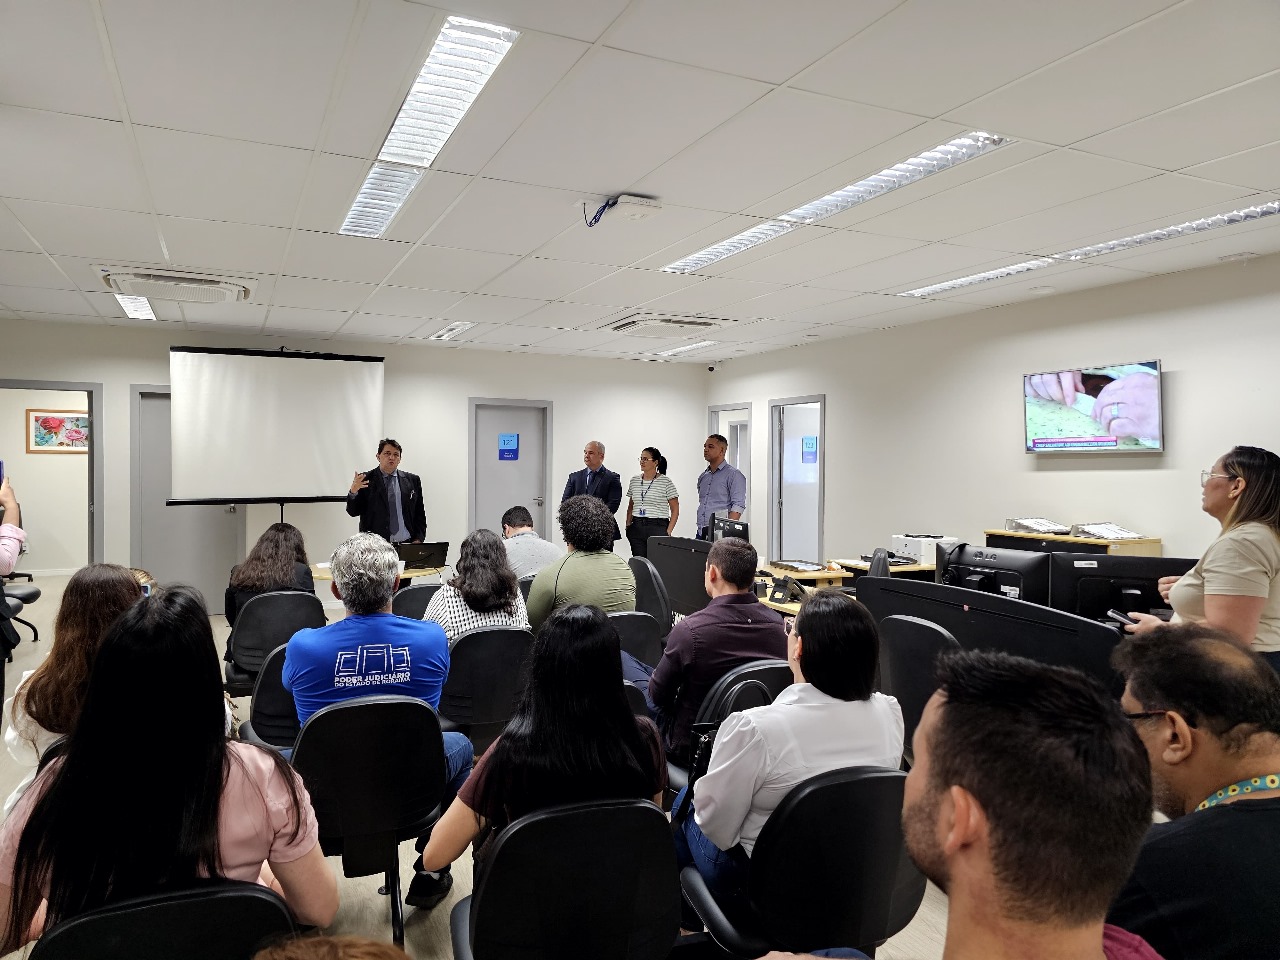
(733, 629)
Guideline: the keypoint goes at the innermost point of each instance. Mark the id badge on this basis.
(640, 512)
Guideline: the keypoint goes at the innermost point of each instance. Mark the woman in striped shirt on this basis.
(653, 506)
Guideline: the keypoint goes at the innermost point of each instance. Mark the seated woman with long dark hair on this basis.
(278, 561)
(484, 591)
(119, 816)
(573, 739)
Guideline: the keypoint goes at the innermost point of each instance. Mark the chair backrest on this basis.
(268, 620)
(774, 675)
(639, 634)
(879, 566)
(526, 584)
(272, 712)
(213, 920)
(412, 601)
(909, 648)
(615, 894)
(374, 767)
(635, 699)
(486, 679)
(830, 865)
(651, 593)
(745, 695)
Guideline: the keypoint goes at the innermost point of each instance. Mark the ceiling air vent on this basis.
(662, 325)
(176, 286)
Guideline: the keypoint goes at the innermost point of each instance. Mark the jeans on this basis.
(459, 756)
(725, 871)
(635, 672)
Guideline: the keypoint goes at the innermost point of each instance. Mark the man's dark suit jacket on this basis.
(370, 505)
(607, 486)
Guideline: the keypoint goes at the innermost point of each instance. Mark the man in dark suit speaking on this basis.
(596, 480)
(388, 500)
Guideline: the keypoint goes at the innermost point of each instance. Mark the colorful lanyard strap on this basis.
(1252, 785)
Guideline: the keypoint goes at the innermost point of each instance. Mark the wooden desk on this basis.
(813, 578)
(786, 609)
(859, 567)
(324, 573)
(1061, 543)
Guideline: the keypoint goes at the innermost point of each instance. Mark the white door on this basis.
(509, 451)
(796, 452)
(733, 422)
(195, 545)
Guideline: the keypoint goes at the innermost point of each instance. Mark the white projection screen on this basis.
(263, 426)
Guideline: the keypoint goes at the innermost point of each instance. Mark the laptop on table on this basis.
(422, 556)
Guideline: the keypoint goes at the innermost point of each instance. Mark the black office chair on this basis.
(614, 895)
(639, 634)
(412, 601)
(829, 869)
(774, 675)
(651, 594)
(26, 594)
(211, 920)
(526, 584)
(486, 679)
(9, 610)
(374, 767)
(635, 699)
(909, 648)
(273, 716)
(262, 624)
(879, 566)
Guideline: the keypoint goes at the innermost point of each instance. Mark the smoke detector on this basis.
(183, 287)
(662, 325)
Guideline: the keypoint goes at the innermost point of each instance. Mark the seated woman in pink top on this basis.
(122, 815)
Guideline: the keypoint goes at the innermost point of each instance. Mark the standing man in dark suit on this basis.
(596, 480)
(388, 500)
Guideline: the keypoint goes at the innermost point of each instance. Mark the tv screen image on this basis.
(1115, 409)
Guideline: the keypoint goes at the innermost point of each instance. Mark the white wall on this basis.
(924, 423)
(53, 489)
(626, 405)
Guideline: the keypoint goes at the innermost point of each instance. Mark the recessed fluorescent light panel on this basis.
(451, 331)
(687, 348)
(1102, 249)
(136, 308)
(942, 157)
(463, 58)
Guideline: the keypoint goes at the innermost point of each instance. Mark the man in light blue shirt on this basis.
(722, 487)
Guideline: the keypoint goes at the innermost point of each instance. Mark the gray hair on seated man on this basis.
(365, 571)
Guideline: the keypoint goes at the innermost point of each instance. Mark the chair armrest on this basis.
(738, 935)
(460, 929)
(448, 726)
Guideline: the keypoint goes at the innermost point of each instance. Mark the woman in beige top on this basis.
(1235, 587)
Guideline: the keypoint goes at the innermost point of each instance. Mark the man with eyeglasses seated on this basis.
(1208, 712)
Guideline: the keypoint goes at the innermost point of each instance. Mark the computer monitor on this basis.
(1017, 574)
(722, 527)
(682, 565)
(1089, 584)
(981, 621)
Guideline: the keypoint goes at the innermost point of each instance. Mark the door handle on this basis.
(538, 500)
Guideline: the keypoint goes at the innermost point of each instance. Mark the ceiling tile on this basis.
(513, 336)
(39, 300)
(916, 311)
(314, 321)
(238, 181)
(112, 236)
(258, 71)
(481, 308)
(1216, 126)
(722, 228)
(504, 217)
(429, 200)
(768, 147)
(209, 245)
(919, 265)
(66, 159)
(336, 257)
(626, 288)
(541, 279)
(408, 302)
(582, 19)
(237, 315)
(572, 340)
(332, 183)
(851, 310)
(828, 252)
(1064, 279)
(620, 106)
(380, 325)
(1258, 169)
(1079, 96)
(444, 268)
(320, 294)
(761, 39)
(756, 330)
(31, 270)
(73, 81)
(712, 295)
(565, 315)
(928, 56)
(789, 301)
(622, 242)
(12, 236)
(1201, 250)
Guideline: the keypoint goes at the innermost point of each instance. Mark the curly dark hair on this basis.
(586, 523)
(483, 576)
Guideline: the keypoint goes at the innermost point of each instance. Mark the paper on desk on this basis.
(323, 566)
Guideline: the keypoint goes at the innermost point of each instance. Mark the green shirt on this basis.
(600, 578)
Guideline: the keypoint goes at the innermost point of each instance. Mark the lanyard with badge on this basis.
(644, 493)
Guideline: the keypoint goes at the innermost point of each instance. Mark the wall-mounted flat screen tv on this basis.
(1113, 409)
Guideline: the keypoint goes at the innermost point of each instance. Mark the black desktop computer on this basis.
(1017, 574)
(1089, 584)
(722, 527)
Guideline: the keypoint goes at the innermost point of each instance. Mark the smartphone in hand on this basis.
(1120, 617)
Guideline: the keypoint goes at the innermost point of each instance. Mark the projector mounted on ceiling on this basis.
(184, 287)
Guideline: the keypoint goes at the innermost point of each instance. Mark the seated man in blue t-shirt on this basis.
(372, 651)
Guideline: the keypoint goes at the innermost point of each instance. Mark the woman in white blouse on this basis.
(830, 718)
(484, 591)
(653, 505)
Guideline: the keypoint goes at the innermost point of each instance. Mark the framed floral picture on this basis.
(57, 431)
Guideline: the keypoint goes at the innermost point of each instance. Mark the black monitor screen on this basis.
(1017, 574)
(682, 564)
(722, 527)
(1089, 585)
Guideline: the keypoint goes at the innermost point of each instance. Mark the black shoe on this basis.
(428, 889)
